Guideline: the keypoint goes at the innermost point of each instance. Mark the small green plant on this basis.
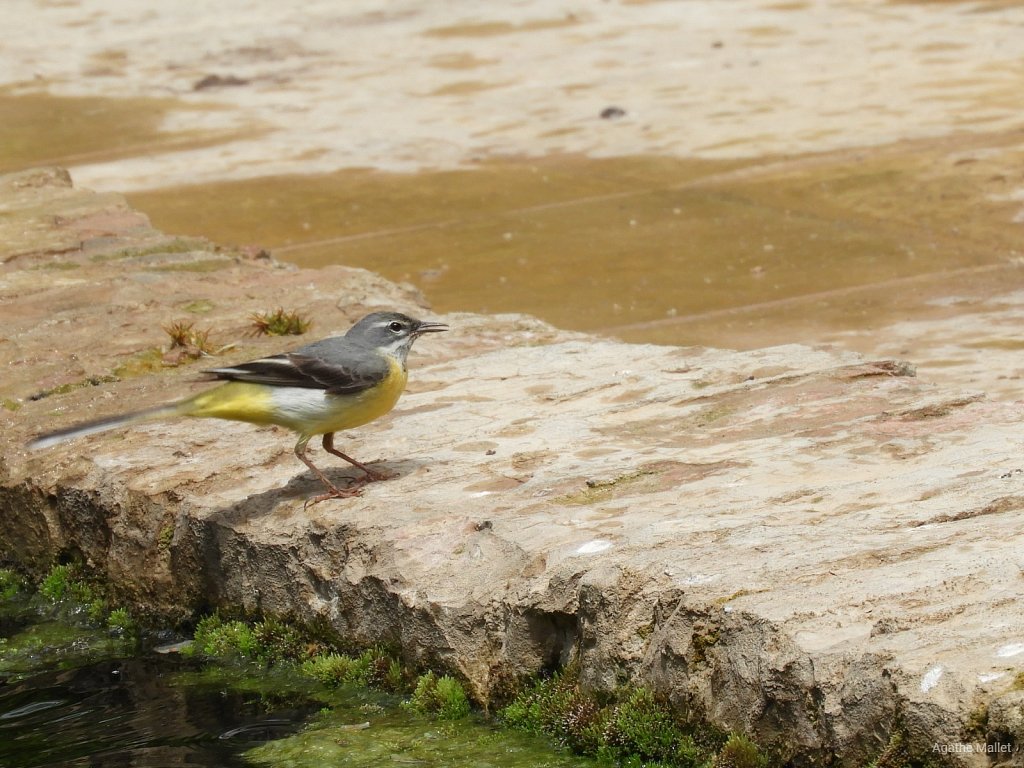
(894, 755)
(394, 678)
(631, 728)
(443, 697)
(165, 538)
(271, 641)
(223, 639)
(96, 610)
(60, 584)
(641, 726)
(121, 622)
(740, 752)
(279, 323)
(11, 583)
(274, 641)
(543, 708)
(333, 669)
(190, 340)
(55, 585)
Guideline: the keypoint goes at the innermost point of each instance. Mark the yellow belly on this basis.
(306, 411)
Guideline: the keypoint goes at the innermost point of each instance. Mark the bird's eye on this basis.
(395, 327)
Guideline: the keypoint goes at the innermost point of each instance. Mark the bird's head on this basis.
(391, 332)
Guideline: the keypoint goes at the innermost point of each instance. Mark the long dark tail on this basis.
(102, 425)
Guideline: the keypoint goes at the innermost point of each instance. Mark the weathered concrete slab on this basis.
(800, 543)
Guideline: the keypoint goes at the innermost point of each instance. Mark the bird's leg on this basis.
(372, 475)
(333, 491)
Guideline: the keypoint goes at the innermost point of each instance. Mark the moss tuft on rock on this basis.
(442, 697)
(633, 727)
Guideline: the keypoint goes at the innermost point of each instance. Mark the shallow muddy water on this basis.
(651, 248)
(731, 174)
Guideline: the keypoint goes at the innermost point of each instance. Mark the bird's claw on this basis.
(333, 493)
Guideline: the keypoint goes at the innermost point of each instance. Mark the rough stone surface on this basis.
(801, 543)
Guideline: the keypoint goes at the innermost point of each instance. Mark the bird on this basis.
(321, 388)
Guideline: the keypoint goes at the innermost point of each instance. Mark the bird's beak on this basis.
(431, 328)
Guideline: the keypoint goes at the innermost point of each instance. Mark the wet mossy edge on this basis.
(633, 726)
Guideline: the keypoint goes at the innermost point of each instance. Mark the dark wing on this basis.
(360, 370)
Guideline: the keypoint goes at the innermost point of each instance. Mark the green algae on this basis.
(362, 720)
(198, 306)
(601, 490)
(199, 266)
(172, 246)
(65, 624)
(359, 734)
(52, 644)
(147, 361)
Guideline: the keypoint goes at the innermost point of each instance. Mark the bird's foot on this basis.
(333, 493)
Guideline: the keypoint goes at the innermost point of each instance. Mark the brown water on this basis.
(650, 248)
(734, 253)
(40, 129)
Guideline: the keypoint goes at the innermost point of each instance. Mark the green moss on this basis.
(894, 755)
(708, 416)
(332, 669)
(96, 609)
(740, 752)
(275, 641)
(640, 726)
(632, 728)
(898, 754)
(148, 361)
(121, 622)
(602, 490)
(977, 722)
(178, 245)
(267, 642)
(9, 404)
(11, 583)
(61, 584)
(221, 639)
(165, 538)
(704, 638)
(542, 707)
(442, 697)
(199, 306)
(199, 265)
(64, 586)
(49, 643)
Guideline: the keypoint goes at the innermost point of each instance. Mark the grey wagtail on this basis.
(319, 389)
